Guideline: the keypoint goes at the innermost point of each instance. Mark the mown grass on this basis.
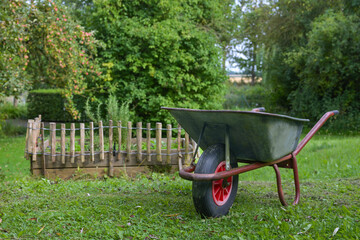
(159, 206)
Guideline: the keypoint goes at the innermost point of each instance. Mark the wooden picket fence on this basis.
(112, 150)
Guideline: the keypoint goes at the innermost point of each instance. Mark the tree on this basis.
(282, 27)
(161, 53)
(41, 44)
(327, 66)
(249, 49)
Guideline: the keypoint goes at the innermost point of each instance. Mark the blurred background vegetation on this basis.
(300, 57)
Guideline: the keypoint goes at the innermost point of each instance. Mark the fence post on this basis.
(179, 143)
(158, 142)
(128, 142)
(27, 139)
(35, 133)
(111, 159)
(82, 142)
(139, 141)
(92, 141)
(63, 139)
(53, 141)
(168, 143)
(101, 140)
(72, 142)
(187, 142)
(119, 139)
(148, 141)
(43, 149)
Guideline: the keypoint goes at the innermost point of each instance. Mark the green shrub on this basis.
(246, 97)
(113, 112)
(50, 104)
(9, 111)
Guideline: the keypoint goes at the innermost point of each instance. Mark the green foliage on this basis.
(327, 67)
(50, 104)
(249, 51)
(47, 103)
(247, 97)
(42, 45)
(9, 111)
(310, 57)
(113, 112)
(160, 55)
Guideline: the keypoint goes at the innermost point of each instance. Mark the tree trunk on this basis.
(15, 102)
(253, 66)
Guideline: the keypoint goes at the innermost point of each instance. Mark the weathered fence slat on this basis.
(111, 159)
(119, 140)
(168, 143)
(35, 135)
(63, 140)
(148, 141)
(33, 150)
(179, 142)
(139, 141)
(82, 141)
(158, 141)
(53, 141)
(43, 148)
(91, 126)
(72, 142)
(128, 142)
(27, 138)
(187, 142)
(101, 140)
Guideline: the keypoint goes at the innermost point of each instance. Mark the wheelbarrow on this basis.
(228, 137)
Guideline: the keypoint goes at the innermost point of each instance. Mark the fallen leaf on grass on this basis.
(32, 219)
(172, 215)
(256, 217)
(335, 231)
(41, 229)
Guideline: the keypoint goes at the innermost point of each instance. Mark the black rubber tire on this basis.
(202, 190)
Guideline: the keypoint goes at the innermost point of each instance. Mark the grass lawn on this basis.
(159, 206)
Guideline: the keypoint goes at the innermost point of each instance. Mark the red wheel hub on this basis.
(221, 189)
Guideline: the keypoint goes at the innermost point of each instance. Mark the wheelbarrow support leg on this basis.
(296, 181)
(227, 148)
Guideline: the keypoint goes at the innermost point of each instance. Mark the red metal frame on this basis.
(288, 161)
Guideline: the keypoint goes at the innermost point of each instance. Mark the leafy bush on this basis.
(327, 67)
(160, 56)
(113, 112)
(50, 104)
(9, 111)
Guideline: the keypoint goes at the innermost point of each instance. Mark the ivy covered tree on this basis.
(41, 44)
(162, 53)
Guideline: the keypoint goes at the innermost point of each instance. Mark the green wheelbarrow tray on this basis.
(253, 136)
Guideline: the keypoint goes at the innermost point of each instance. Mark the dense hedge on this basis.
(49, 103)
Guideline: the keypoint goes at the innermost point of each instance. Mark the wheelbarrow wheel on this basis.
(214, 198)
